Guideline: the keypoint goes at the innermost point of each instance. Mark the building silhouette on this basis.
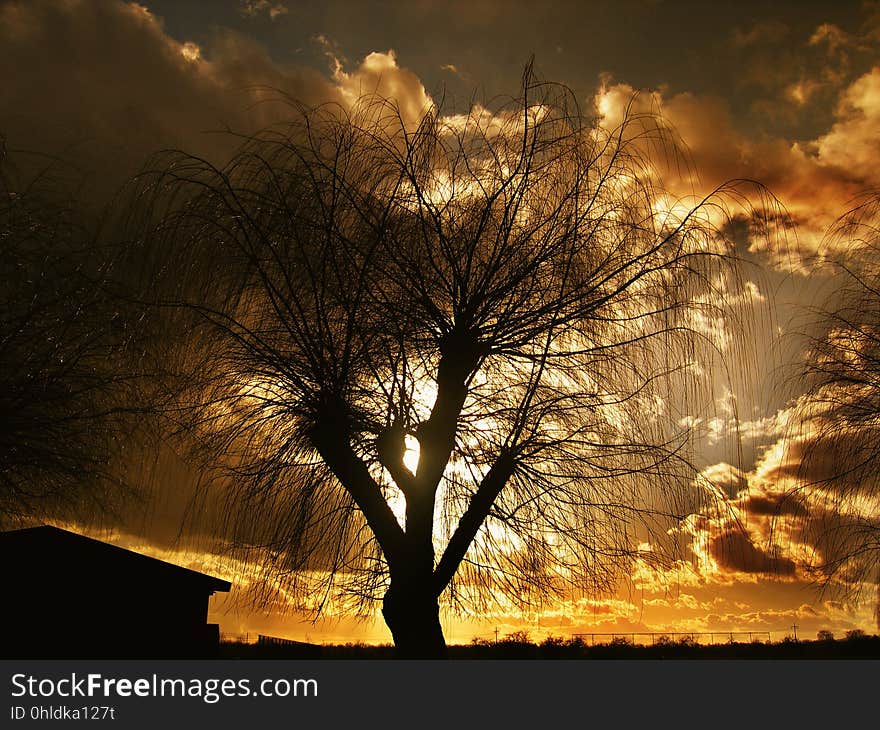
(65, 595)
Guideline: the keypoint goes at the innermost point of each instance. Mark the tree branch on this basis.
(354, 476)
(474, 516)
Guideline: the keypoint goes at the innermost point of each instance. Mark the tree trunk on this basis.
(413, 615)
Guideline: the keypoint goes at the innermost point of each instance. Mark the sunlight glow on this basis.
(397, 505)
(411, 456)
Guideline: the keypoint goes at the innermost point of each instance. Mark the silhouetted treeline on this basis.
(856, 646)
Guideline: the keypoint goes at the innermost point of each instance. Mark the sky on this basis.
(784, 93)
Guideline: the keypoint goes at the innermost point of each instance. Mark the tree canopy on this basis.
(839, 424)
(63, 390)
(443, 361)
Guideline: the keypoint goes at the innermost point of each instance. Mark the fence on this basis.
(592, 639)
(262, 639)
(698, 637)
(247, 638)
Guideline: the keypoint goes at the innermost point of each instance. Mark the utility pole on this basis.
(794, 627)
(496, 634)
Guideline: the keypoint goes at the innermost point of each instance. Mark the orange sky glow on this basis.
(788, 97)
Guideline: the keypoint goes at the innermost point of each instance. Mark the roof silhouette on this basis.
(63, 547)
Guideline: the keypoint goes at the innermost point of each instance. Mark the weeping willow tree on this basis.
(445, 363)
(838, 437)
(63, 390)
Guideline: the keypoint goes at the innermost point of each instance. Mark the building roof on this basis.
(48, 546)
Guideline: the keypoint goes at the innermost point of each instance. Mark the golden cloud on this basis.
(814, 180)
(851, 146)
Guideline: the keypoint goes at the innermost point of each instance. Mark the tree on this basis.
(61, 376)
(442, 361)
(50, 394)
(839, 440)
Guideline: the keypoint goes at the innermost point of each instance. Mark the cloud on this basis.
(760, 33)
(851, 145)
(105, 103)
(379, 74)
(792, 518)
(727, 478)
(274, 10)
(815, 180)
(772, 505)
(114, 102)
(804, 70)
(734, 551)
(831, 36)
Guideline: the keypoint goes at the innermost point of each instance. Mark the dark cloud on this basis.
(773, 505)
(735, 552)
(760, 33)
(840, 459)
(101, 85)
(105, 84)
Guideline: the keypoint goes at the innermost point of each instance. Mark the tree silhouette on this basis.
(839, 442)
(61, 378)
(443, 361)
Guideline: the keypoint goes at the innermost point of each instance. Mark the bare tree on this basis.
(447, 361)
(839, 440)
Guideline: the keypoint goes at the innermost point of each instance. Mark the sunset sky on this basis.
(784, 93)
